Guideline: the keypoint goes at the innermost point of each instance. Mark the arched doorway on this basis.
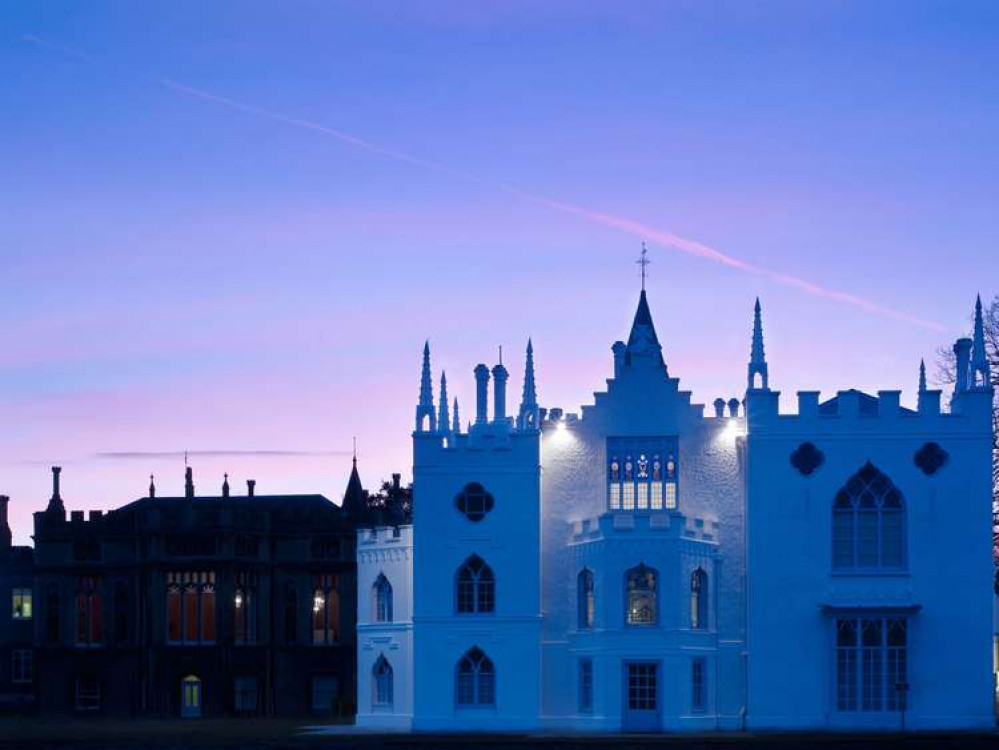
(190, 697)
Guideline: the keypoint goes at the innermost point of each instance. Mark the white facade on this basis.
(644, 566)
(385, 627)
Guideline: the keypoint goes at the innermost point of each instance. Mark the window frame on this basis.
(22, 666)
(630, 594)
(585, 600)
(382, 684)
(859, 530)
(479, 589)
(382, 599)
(19, 597)
(481, 679)
(870, 666)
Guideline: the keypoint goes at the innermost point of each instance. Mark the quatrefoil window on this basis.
(930, 458)
(474, 501)
(806, 458)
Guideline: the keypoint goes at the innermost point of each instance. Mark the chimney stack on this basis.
(251, 487)
(55, 503)
(962, 356)
(481, 394)
(500, 376)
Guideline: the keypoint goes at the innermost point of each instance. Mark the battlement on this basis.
(861, 411)
(385, 537)
(667, 523)
(487, 444)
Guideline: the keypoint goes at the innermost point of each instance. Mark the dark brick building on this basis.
(17, 655)
(197, 605)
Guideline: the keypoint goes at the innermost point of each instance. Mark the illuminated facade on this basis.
(644, 566)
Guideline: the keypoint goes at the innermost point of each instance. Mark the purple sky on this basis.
(230, 226)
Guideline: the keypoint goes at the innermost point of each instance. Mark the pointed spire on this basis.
(152, 486)
(757, 358)
(225, 485)
(456, 425)
(528, 417)
(443, 420)
(922, 376)
(188, 481)
(353, 499)
(979, 375)
(643, 344)
(425, 408)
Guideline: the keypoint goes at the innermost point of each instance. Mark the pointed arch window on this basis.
(699, 599)
(381, 680)
(641, 474)
(585, 599)
(475, 681)
(476, 587)
(382, 590)
(868, 531)
(641, 587)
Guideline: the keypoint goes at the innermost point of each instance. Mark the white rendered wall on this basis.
(385, 551)
(507, 464)
(949, 575)
(641, 402)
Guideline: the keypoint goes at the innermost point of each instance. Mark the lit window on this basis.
(643, 496)
(89, 629)
(245, 608)
(670, 495)
(629, 496)
(191, 607)
(325, 609)
(868, 523)
(641, 586)
(615, 496)
(381, 677)
(657, 496)
(21, 604)
(475, 684)
(871, 663)
(476, 587)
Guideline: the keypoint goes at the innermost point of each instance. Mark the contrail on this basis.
(623, 224)
(236, 453)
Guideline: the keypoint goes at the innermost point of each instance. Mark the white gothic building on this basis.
(647, 566)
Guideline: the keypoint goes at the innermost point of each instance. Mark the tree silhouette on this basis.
(945, 376)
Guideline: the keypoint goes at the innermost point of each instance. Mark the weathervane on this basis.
(643, 262)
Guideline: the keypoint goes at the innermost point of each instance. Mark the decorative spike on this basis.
(456, 425)
(922, 376)
(443, 420)
(225, 485)
(425, 408)
(757, 357)
(528, 416)
(152, 486)
(979, 376)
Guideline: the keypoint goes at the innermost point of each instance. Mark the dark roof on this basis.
(260, 502)
(354, 500)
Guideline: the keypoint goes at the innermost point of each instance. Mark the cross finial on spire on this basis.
(643, 261)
